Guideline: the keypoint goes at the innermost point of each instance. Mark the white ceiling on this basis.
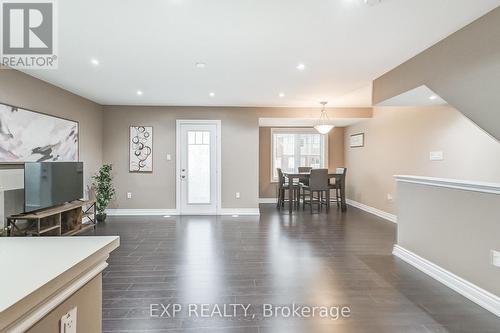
(251, 48)
(420, 96)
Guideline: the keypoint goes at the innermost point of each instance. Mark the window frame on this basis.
(297, 130)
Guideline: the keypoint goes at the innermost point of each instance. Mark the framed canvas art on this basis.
(357, 140)
(29, 136)
(141, 149)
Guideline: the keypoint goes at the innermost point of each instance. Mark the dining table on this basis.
(339, 179)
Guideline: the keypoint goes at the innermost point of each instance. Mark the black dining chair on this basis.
(283, 186)
(338, 182)
(318, 183)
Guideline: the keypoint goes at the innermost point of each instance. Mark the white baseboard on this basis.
(380, 213)
(267, 200)
(136, 212)
(240, 211)
(162, 212)
(476, 294)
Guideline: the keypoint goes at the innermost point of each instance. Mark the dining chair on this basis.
(318, 182)
(283, 186)
(336, 186)
(304, 180)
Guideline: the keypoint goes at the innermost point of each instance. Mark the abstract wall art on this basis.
(28, 136)
(141, 149)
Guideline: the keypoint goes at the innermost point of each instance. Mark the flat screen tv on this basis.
(48, 184)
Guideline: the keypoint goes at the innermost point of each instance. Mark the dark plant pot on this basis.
(101, 217)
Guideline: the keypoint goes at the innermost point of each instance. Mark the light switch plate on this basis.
(436, 156)
(68, 322)
(169, 157)
(495, 258)
(237, 195)
(129, 195)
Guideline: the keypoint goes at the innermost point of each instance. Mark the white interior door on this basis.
(198, 181)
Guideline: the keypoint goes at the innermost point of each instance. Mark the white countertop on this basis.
(29, 263)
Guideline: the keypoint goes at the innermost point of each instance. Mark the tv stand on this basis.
(64, 220)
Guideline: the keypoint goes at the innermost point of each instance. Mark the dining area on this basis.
(312, 189)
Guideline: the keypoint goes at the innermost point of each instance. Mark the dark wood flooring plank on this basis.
(332, 260)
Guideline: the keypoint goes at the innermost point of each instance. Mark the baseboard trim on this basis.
(240, 211)
(474, 293)
(171, 212)
(137, 212)
(267, 200)
(380, 213)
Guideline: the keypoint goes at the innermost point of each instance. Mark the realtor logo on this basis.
(28, 34)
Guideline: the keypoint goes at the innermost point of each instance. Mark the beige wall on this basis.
(454, 229)
(87, 300)
(24, 91)
(240, 135)
(336, 148)
(464, 69)
(268, 189)
(399, 140)
(240, 151)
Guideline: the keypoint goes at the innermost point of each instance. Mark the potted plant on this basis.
(104, 190)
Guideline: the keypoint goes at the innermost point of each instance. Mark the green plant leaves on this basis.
(104, 190)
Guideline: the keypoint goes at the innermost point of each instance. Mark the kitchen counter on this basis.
(39, 273)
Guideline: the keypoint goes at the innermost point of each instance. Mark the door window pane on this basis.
(206, 138)
(198, 167)
(191, 138)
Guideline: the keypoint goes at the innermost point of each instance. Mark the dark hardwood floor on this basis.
(336, 260)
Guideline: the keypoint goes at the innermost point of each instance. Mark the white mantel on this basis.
(39, 273)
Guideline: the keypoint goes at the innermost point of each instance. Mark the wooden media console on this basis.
(64, 220)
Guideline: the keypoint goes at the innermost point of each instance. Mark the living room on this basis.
(340, 156)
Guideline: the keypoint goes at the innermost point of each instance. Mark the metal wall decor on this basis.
(141, 149)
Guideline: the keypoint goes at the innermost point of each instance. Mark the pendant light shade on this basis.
(324, 126)
(323, 129)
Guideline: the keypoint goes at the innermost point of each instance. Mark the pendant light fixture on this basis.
(323, 126)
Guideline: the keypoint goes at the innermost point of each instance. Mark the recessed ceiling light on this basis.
(139, 92)
(372, 2)
(166, 216)
(433, 97)
(94, 62)
(301, 67)
(281, 95)
(201, 65)
(212, 94)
